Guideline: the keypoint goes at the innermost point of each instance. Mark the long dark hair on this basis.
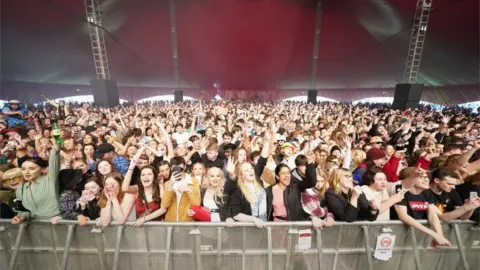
(155, 187)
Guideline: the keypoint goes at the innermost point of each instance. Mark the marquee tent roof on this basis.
(241, 44)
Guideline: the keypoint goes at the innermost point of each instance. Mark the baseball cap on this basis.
(102, 149)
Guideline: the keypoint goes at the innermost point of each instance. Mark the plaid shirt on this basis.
(311, 204)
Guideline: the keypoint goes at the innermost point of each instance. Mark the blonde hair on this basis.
(322, 190)
(251, 198)
(358, 157)
(218, 195)
(336, 177)
(12, 173)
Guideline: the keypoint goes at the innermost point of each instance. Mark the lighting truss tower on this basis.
(173, 34)
(417, 40)
(316, 43)
(94, 17)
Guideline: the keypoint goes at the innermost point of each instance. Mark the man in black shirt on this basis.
(416, 205)
(448, 202)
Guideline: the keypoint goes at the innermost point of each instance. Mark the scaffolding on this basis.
(417, 40)
(95, 28)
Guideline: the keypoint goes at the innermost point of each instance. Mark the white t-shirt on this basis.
(181, 137)
(378, 197)
(210, 204)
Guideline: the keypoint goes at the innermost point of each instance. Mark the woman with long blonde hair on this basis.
(212, 195)
(348, 203)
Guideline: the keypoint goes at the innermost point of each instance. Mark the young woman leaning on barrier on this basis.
(212, 195)
(348, 203)
(248, 200)
(116, 205)
(314, 204)
(283, 202)
(39, 192)
(375, 189)
(87, 205)
(148, 192)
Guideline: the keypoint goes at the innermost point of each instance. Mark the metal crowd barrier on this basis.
(196, 246)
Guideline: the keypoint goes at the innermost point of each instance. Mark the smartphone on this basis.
(473, 194)
(176, 170)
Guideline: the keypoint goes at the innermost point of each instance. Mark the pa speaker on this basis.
(312, 96)
(105, 93)
(407, 96)
(178, 95)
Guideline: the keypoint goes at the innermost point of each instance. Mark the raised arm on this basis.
(126, 187)
(54, 163)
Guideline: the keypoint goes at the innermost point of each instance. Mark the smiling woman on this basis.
(40, 191)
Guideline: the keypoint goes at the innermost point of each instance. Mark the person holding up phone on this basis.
(181, 192)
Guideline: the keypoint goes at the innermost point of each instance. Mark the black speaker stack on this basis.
(407, 96)
(105, 93)
(312, 96)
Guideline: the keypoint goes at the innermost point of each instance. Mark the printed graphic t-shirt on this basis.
(417, 205)
(445, 201)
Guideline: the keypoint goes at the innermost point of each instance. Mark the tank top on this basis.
(141, 208)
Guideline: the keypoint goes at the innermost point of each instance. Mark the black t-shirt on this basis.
(445, 201)
(417, 205)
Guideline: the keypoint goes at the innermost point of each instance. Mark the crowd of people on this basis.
(239, 161)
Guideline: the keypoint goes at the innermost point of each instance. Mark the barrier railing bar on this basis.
(291, 240)
(416, 254)
(461, 248)
(66, 250)
(368, 249)
(337, 245)
(240, 224)
(5, 244)
(247, 252)
(18, 242)
(243, 248)
(100, 245)
(219, 248)
(53, 238)
(166, 265)
(269, 243)
(118, 242)
(318, 233)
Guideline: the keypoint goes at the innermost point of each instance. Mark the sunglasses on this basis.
(12, 181)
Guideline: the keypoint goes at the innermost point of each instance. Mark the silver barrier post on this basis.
(66, 250)
(416, 253)
(166, 265)
(337, 246)
(269, 243)
(18, 243)
(147, 246)
(319, 247)
(290, 261)
(368, 249)
(244, 240)
(196, 248)
(5, 243)
(461, 248)
(117, 246)
(100, 244)
(53, 238)
(219, 248)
